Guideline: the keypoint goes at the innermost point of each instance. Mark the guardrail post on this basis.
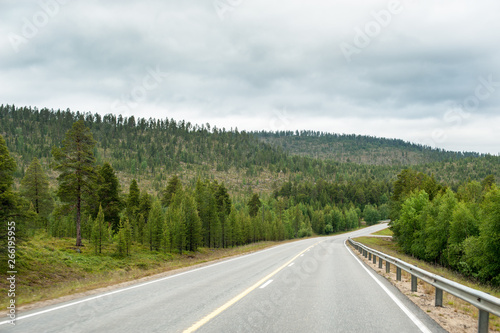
(380, 262)
(438, 301)
(398, 273)
(413, 283)
(387, 267)
(369, 256)
(365, 254)
(374, 259)
(484, 318)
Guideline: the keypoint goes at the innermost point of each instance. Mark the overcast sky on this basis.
(421, 70)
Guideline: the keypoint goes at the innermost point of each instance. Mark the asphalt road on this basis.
(311, 285)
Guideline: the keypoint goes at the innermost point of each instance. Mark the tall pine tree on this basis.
(75, 160)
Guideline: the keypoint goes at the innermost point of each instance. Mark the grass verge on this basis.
(49, 268)
(383, 232)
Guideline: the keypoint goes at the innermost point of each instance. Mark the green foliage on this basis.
(311, 196)
(458, 230)
(124, 236)
(358, 148)
(108, 195)
(437, 226)
(154, 228)
(133, 199)
(408, 182)
(371, 215)
(75, 162)
(409, 228)
(483, 252)
(174, 185)
(254, 205)
(99, 234)
(35, 188)
(8, 199)
(194, 230)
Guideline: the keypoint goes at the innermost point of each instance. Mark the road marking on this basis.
(231, 302)
(301, 255)
(291, 264)
(136, 286)
(266, 284)
(410, 315)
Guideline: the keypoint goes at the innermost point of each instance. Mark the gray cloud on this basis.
(263, 57)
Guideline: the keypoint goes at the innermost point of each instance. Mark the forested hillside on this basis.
(120, 186)
(152, 150)
(358, 148)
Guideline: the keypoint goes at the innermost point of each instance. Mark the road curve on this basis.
(311, 285)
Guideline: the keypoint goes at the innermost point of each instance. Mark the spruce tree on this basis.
(127, 230)
(35, 188)
(133, 199)
(254, 205)
(154, 227)
(99, 231)
(75, 160)
(194, 235)
(174, 184)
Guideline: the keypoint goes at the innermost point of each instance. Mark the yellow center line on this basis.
(224, 307)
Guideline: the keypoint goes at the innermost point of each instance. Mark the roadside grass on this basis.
(49, 267)
(389, 247)
(384, 232)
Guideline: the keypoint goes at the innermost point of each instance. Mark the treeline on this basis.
(89, 205)
(136, 146)
(153, 149)
(351, 146)
(458, 229)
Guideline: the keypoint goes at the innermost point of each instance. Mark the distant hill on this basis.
(358, 148)
(152, 150)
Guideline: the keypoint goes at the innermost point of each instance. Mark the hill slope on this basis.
(151, 150)
(358, 148)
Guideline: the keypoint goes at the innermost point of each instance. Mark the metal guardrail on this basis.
(484, 302)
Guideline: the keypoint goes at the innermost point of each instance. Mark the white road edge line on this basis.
(410, 315)
(137, 285)
(266, 284)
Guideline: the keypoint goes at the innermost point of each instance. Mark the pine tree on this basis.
(35, 188)
(75, 160)
(109, 195)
